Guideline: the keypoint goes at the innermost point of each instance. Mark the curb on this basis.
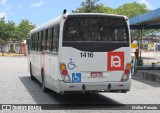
(148, 75)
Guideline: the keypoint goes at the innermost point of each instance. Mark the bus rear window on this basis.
(95, 28)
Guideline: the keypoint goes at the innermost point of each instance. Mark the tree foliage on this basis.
(128, 9)
(23, 29)
(88, 7)
(92, 6)
(1, 46)
(10, 31)
(131, 9)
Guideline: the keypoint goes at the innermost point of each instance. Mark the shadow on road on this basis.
(78, 101)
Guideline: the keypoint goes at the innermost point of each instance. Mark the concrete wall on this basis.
(16, 47)
(6, 48)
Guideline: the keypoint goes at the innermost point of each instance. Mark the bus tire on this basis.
(31, 75)
(43, 82)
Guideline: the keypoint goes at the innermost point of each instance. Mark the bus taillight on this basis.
(127, 72)
(63, 67)
(64, 72)
(128, 66)
(64, 17)
(126, 18)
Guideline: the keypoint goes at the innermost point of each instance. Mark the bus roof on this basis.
(57, 20)
(105, 14)
(46, 25)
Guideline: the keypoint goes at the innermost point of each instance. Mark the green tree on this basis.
(2, 29)
(92, 6)
(2, 43)
(101, 8)
(131, 9)
(23, 29)
(128, 9)
(88, 6)
(9, 32)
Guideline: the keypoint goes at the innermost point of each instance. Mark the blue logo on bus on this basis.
(76, 77)
(71, 65)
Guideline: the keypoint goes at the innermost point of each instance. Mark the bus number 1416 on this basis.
(87, 54)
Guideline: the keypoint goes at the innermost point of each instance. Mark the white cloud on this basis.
(3, 14)
(148, 5)
(38, 4)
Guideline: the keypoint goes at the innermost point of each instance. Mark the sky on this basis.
(40, 11)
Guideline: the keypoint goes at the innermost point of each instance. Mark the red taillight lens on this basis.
(64, 72)
(64, 17)
(127, 71)
(126, 18)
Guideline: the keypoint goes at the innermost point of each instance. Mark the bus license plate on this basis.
(96, 74)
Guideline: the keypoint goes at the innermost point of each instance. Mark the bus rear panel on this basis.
(95, 54)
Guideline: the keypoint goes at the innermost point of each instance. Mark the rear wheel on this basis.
(31, 75)
(43, 83)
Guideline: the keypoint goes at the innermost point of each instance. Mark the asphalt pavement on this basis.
(16, 87)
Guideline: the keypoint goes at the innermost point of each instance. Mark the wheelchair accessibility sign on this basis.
(76, 77)
(71, 65)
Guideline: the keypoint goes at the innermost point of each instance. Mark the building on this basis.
(14, 47)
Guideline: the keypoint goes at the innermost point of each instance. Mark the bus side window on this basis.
(43, 41)
(49, 39)
(33, 42)
(46, 40)
(39, 43)
(30, 42)
(57, 37)
(35, 38)
(53, 47)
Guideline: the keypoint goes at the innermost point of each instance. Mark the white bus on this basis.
(82, 52)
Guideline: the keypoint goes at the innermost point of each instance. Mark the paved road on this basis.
(16, 87)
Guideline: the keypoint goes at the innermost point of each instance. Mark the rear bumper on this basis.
(94, 86)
